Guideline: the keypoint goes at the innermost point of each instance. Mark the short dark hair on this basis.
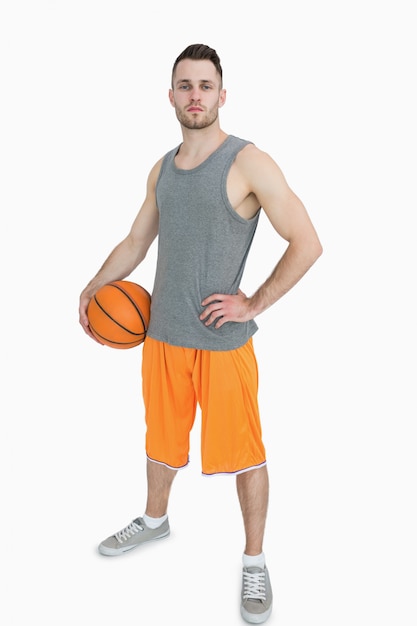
(200, 52)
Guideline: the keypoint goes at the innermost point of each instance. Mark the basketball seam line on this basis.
(118, 323)
(132, 301)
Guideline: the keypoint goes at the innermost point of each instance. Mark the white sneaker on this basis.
(256, 604)
(132, 536)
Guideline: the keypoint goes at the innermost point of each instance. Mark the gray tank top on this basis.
(202, 249)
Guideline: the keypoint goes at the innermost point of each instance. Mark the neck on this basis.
(201, 141)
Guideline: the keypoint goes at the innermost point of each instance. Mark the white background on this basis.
(327, 88)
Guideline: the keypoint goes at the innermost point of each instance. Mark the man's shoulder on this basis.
(250, 155)
(258, 168)
(165, 157)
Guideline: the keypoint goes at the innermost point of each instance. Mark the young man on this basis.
(203, 202)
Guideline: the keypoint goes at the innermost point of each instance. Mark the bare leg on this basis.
(253, 492)
(160, 480)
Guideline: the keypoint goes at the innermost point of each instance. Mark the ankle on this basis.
(154, 522)
(257, 560)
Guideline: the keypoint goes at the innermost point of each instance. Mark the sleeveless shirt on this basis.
(203, 245)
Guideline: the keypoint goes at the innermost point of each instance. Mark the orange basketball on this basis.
(118, 314)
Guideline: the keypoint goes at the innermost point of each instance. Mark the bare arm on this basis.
(131, 251)
(289, 218)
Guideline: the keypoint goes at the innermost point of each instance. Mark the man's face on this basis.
(196, 93)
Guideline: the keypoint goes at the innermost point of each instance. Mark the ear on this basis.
(222, 97)
(171, 97)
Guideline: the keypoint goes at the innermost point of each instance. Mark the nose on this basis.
(194, 95)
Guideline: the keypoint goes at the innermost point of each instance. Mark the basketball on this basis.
(118, 314)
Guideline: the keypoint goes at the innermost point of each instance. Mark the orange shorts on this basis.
(225, 385)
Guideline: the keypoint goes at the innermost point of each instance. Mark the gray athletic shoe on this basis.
(132, 536)
(256, 605)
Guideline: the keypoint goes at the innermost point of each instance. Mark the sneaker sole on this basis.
(255, 618)
(117, 551)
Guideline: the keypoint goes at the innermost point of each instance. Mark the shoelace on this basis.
(129, 531)
(254, 586)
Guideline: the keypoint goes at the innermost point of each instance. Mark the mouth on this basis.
(194, 109)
